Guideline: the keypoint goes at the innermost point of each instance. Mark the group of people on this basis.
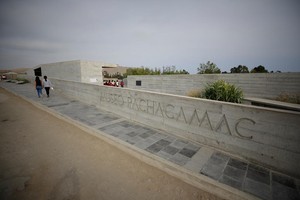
(114, 83)
(40, 84)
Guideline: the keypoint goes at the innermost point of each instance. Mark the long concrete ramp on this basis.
(227, 176)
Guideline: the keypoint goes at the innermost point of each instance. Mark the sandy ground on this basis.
(42, 157)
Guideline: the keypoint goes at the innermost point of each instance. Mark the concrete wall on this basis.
(77, 70)
(267, 136)
(69, 70)
(91, 72)
(29, 75)
(261, 85)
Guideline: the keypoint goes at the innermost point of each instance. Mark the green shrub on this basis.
(223, 91)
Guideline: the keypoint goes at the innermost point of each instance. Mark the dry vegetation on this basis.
(16, 70)
(289, 98)
(194, 93)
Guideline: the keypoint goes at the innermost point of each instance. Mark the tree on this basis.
(139, 71)
(183, 72)
(208, 68)
(239, 69)
(169, 70)
(117, 75)
(259, 69)
(106, 74)
(147, 71)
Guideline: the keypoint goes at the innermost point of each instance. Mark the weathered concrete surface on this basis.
(261, 85)
(267, 136)
(77, 70)
(43, 157)
(207, 168)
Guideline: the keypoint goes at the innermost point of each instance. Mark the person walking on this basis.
(47, 85)
(38, 86)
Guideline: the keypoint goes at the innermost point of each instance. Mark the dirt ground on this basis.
(42, 157)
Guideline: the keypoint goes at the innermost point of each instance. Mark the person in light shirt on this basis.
(47, 84)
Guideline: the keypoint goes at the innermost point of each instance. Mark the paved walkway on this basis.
(219, 167)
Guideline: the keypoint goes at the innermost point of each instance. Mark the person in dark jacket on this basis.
(38, 86)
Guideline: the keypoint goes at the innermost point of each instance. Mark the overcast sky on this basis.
(152, 33)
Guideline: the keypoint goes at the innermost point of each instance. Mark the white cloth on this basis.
(47, 83)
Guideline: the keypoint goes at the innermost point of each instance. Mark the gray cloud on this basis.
(152, 33)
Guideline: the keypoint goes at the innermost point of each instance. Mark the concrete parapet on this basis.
(261, 85)
(269, 137)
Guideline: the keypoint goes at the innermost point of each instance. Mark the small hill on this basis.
(16, 70)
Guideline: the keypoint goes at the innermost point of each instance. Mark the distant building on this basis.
(11, 75)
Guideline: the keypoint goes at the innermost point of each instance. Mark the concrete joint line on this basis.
(108, 123)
